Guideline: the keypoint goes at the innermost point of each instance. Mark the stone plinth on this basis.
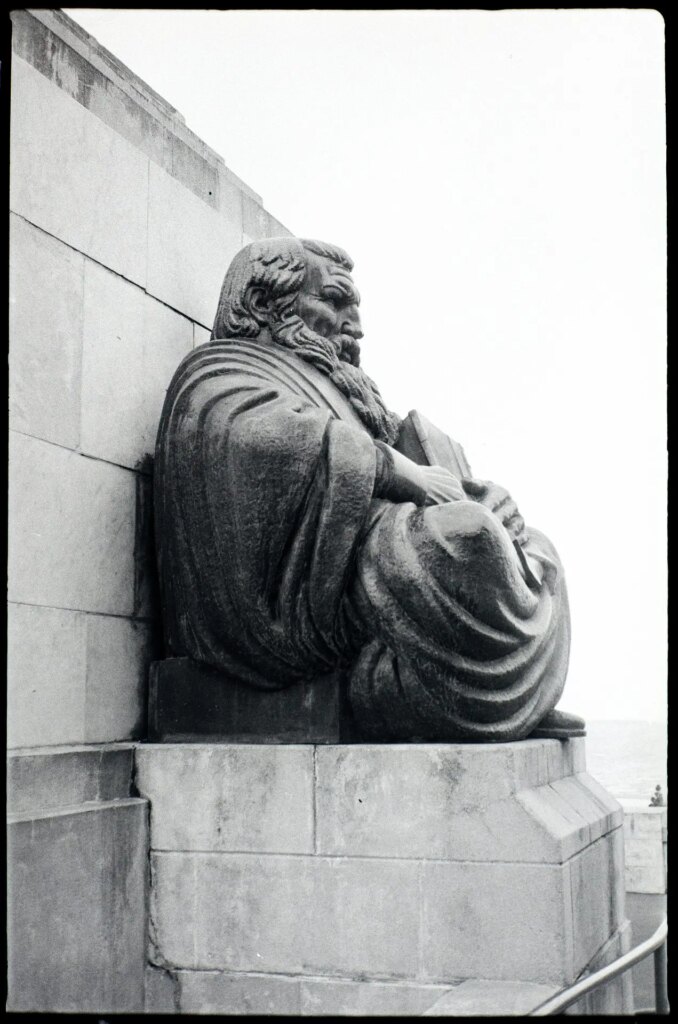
(376, 878)
(195, 703)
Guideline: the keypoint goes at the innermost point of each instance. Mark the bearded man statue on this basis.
(295, 539)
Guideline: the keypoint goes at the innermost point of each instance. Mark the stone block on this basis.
(256, 222)
(46, 659)
(71, 529)
(118, 654)
(132, 345)
(64, 162)
(645, 849)
(50, 778)
(230, 797)
(45, 302)
(444, 800)
(161, 991)
(482, 998)
(289, 915)
(194, 172)
(76, 909)
(509, 922)
(223, 994)
(193, 702)
(326, 997)
(180, 223)
(276, 228)
(596, 870)
(230, 192)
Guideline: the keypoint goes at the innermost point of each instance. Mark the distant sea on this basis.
(627, 758)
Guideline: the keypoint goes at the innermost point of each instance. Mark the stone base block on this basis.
(77, 854)
(191, 702)
(394, 868)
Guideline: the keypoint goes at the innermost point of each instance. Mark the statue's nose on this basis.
(351, 323)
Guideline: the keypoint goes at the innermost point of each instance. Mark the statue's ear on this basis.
(258, 304)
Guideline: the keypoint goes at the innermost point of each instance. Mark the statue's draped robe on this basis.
(277, 563)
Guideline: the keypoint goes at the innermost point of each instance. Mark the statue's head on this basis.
(302, 294)
(293, 287)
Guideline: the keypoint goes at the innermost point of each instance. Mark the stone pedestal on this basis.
(321, 879)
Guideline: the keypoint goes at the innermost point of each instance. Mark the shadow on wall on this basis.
(146, 585)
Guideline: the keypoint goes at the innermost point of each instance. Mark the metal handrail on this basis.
(655, 944)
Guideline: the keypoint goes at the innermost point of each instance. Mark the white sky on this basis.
(498, 178)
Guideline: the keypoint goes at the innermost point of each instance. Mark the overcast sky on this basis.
(498, 178)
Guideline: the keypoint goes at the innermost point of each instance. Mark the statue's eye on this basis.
(334, 296)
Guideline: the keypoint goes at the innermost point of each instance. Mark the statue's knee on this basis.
(472, 518)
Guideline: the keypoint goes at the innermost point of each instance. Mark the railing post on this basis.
(660, 980)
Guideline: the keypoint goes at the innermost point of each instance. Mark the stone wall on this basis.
(122, 225)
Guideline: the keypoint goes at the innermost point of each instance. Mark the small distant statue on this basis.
(657, 798)
(304, 528)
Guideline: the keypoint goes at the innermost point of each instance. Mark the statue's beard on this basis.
(339, 359)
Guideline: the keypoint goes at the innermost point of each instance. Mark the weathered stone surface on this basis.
(282, 914)
(118, 653)
(387, 925)
(442, 801)
(217, 993)
(46, 664)
(494, 920)
(617, 996)
(161, 991)
(72, 544)
(228, 797)
(324, 997)
(482, 998)
(193, 702)
(598, 869)
(69, 57)
(73, 677)
(256, 222)
(131, 345)
(50, 778)
(64, 159)
(76, 909)
(45, 331)
(645, 847)
(190, 286)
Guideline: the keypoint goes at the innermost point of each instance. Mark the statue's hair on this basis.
(278, 266)
(330, 252)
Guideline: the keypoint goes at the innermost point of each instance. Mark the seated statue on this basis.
(297, 538)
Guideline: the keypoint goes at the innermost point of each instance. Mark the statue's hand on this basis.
(424, 485)
(440, 485)
(499, 501)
